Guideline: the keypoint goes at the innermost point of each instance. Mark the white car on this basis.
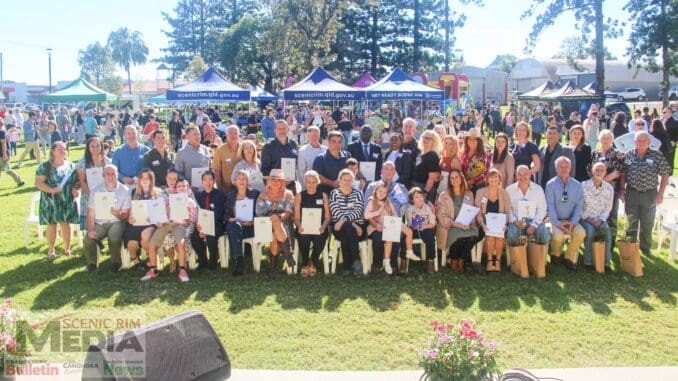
(631, 93)
(673, 93)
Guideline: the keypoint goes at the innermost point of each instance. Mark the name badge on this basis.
(229, 160)
(603, 158)
(155, 163)
(211, 206)
(294, 151)
(319, 202)
(375, 155)
(650, 161)
(349, 205)
(483, 200)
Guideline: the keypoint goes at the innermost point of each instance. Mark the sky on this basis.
(69, 25)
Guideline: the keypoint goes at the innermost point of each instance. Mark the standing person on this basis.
(449, 159)
(91, 125)
(226, 157)
(493, 199)
(176, 129)
(365, 151)
(309, 152)
(538, 126)
(193, 155)
(58, 186)
(402, 158)
(213, 199)
(548, 155)
(598, 197)
(659, 132)
(565, 199)
(129, 158)
(409, 136)
(268, 125)
(208, 132)
(510, 123)
(347, 209)
(253, 123)
(93, 158)
(311, 198)
(4, 158)
(575, 118)
(582, 153)
(639, 189)
(158, 159)
(427, 165)
(237, 229)
(331, 163)
(474, 162)
(633, 126)
(346, 128)
(30, 139)
(277, 149)
(591, 128)
(619, 126)
(150, 127)
(12, 135)
(502, 159)
(671, 126)
(525, 152)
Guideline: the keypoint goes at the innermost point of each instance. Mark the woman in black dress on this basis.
(427, 164)
(582, 153)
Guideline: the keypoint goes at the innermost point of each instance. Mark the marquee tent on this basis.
(539, 92)
(79, 91)
(320, 86)
(258, 94)
(366, 80)
(210, 86)
(399, 85)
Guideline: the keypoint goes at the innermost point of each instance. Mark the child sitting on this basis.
(421, 218)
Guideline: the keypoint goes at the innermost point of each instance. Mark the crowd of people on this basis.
(423, 174)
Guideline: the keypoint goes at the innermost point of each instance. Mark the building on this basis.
(487, 85)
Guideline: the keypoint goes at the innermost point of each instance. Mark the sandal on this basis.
(136, 263)
(304, 271)
(497, 264)
(68, 253)
(490, 266)
(312, 271)
(51, 255)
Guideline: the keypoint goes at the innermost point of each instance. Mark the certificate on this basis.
(244, 209)
(206, 221)
(495, 224)
(103, 203)
(466, 214)
(526, 210)
(311, 220)
(444, 180)
(368, 169)
(178, 207)
(157, 211)
(263, 229)
(289, 167)
(391, 229)
(95, 177)
(140, 213)
(196, 176)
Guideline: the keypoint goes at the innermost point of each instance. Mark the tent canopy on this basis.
(399, 85)
(366, 80)
(209, 86)
(258, 94)
(539, 92)
(570, 92)
(79, 91)
(320, 86)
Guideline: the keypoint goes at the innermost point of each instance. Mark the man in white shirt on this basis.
(598, 198)
(529, 202)
(309, 152)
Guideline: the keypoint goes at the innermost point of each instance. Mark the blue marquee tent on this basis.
(399, 85)
(210, 86)
(321, 86)
(258, 94)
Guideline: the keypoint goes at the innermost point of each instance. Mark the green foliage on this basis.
(195, 69)
(507, 62)
(127, 49)
(97, 66)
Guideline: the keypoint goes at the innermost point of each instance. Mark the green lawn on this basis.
(372, 323)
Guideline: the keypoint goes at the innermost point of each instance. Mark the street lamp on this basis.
(49, 67)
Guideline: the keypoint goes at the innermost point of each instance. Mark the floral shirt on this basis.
(475, 168)
(597, 201)
(642, 173)
(613, 160)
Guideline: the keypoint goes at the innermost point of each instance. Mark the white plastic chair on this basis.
(364, 252)
(256, 252)
(224, 252)
(670, 224)
(33, 218)
(669, 204)
(326, 264)
(422, 249)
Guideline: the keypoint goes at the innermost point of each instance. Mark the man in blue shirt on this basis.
(30, 140)
(538, 127)
(91, 125)
(130, 157)
(329, 164)
(565, 200)
(268, 125)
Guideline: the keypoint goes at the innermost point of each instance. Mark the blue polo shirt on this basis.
(268, 128)
(90, 126)
(29, 131)
(329, 166)
(538, 125)
(129, 161)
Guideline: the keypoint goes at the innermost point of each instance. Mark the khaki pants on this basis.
(28, 147)
(4, 166)
(576, 241)
(114, 231)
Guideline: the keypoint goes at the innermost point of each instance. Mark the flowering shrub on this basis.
(458, 352)
(9, 314)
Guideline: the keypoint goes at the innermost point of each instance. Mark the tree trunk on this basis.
(447, 35)
(374, 46)
(129, 81)
(415, 45)
(600, 50)
(268, 83)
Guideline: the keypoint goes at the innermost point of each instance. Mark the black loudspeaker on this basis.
(181, 347)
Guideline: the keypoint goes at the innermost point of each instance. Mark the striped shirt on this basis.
(352, 206)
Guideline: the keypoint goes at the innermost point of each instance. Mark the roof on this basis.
(79, 90)
(321, 85)
(209, 86)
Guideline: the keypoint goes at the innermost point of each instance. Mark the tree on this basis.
(506, 62)
(127, 49)
(195, 69)
(96, 66)
(654, 28)
(575, 48)
(588, 14)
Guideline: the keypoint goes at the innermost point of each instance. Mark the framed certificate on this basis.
(311, 220)
(263, 229)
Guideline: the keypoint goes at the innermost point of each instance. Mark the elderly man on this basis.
(397, 192)
(225, 159)
(624, 142)
(309, 152)
(639, 189)
(111, 226)
(129, 158)
(366, 151)
(329, 164)
(277, 149)
(564, 200)
(528, 209)
(409, 138)
(598, 198)
(193, 155)
(549, 153)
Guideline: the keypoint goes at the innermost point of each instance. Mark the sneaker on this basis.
(357, 268)
(150, 275)
(183, 275)
(569, 265)
(387, 267)
(91, 267)
(410, 255)
(19, 164)
(21, 183)
(115, 267)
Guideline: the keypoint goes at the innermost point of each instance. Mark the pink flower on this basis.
(473, 353)
(8, 301)
(435, 324)
(493, 345)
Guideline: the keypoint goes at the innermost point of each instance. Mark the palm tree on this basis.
(127, 48)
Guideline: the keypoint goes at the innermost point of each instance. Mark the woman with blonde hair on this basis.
(311, 198)
(347, 209)
(524, 151)
(493, 199)
(475, 162)
(249, 163)
(427, 164)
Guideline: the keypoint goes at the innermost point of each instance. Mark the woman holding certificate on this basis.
(249, 163)
(91, 165)
(240, 215)
(277, 203)
(58, 187)
(312, 217)
(458, 236)
(474, 162)
(346, 207)
(495, 205)
(139, 232)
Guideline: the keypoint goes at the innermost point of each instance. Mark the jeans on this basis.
(429, 238)
(378, 250)
(603, 229)
(305, 241)
(640, 209)
(111, 230)
(236, 233)
(542, 235)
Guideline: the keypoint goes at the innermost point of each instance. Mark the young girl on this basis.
(379, 206)
(421, 218)
(12, 139)
(184, 229)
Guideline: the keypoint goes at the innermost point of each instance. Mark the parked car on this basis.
(631, 93)
(673, 93)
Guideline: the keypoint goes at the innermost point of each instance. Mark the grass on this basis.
(373, 323)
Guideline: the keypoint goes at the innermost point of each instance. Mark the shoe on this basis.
(273, 267)
(287, 252)
(556, 260)
(304, 271)
(115, 267)
(387, 267)
(238, 266)
(19, 164)
(430, 269)
(374, 270)
(410, 255)
(403, 266)
(589, 267)
(569, 265)
(91, 267)
(346, 273)
(312, 271)
(608, 270)
(357, 267)
(152, 273)
(183, 275)
(21, 183)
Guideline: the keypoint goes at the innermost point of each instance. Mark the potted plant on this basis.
(458, 352)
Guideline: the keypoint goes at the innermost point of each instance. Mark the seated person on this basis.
(598, 197)
(421, 218)
(359, 183)
(531, 224)
(100, 227)
(311, 198)
(493, 199)
(564, 200)
(213, 199)
(236, 228)
(277, 203)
